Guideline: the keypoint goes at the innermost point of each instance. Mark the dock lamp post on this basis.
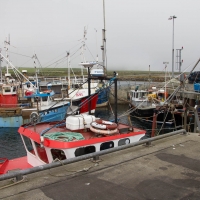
(172, 17)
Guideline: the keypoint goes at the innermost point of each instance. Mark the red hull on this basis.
(15, 164)
(8, 100)
(86, 102)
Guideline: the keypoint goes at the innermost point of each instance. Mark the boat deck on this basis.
(10, 165)
(89, 137)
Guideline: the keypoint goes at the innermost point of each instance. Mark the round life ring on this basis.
(101, 124)
(103, 132)
(28, 93)
(47, 91)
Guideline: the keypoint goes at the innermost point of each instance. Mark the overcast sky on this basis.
(138, 32)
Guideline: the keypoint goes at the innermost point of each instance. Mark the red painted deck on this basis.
(15, 164)
(90, 137)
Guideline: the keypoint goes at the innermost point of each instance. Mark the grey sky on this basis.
(138, 33)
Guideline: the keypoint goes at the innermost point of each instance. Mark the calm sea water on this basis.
(11, 145)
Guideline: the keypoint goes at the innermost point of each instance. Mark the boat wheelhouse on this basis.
(146, 103)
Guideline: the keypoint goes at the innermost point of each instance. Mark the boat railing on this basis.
(14, 106)
(54, 80)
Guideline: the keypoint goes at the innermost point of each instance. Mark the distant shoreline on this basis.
(143, 78)
(125, 75)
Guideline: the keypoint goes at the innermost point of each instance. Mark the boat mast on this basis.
(166, 63)
(7, 42)
(68, 66)
(103, 47)
(82, 51)
(36, 72)
(97, 57)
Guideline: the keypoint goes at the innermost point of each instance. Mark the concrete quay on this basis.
(167, 169)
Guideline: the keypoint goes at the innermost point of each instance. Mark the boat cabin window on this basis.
(143, 94)
(84, 150)
(44, 98)
(106, 145)
(41, 152)
(59, 154)
(28, 144)
(136, 95)
(14, 89)
(36, 99)
(124, 141)
(7, 89)
(76, 103)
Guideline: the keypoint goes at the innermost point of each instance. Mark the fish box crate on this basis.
(197, 87)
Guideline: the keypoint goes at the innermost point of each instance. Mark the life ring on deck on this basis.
(47, 91)
(103, 127)
(29, 93)
(101, 124)
(103, 132)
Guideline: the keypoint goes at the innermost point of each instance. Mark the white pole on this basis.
(68, 65)
(172, 17)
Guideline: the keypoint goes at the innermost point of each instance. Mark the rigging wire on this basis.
(20, 54)
(55, 62)
(89, 51)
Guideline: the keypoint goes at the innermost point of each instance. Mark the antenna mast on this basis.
(103, 47)
(97, 58)
(68, 66)
(83, 49)
(7, 42)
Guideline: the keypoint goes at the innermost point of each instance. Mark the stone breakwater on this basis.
(122, 94)
(142, 78)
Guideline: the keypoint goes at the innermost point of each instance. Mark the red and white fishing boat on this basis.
(76, 136)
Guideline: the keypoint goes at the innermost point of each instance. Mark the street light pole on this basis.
(172, 17)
